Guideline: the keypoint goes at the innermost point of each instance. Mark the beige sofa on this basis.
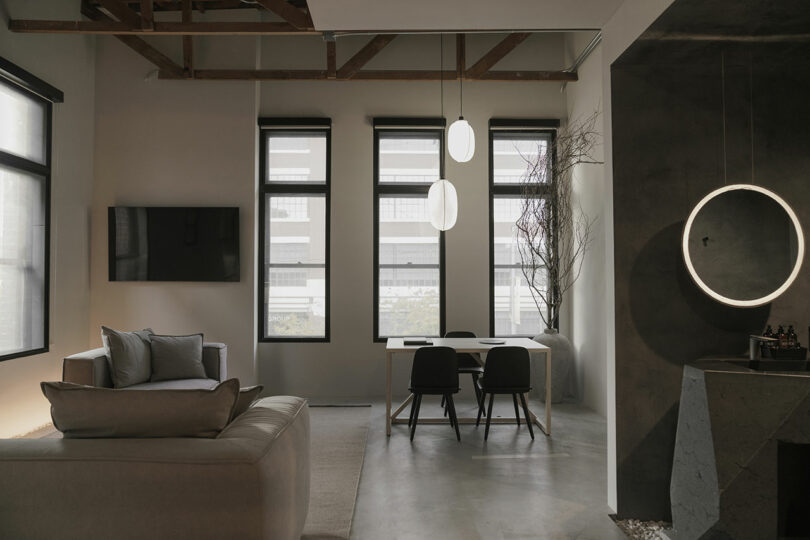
(93, 369)
(251, 482)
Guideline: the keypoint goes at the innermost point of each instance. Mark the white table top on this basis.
(466, 344)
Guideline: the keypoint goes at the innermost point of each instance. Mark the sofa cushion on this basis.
(89, 412)
(130, 355)
(177, 384)
(177, 357)
(246, 397)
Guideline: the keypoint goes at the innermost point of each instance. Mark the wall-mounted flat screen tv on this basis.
(173, 243)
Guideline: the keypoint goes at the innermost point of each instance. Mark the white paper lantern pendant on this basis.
(442, 205)
(461, 140)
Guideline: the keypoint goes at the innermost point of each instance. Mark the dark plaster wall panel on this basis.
(667, 154)
(725, 482)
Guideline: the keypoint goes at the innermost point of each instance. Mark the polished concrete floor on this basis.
(509, 487)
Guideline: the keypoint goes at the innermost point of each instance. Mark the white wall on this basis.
(629, 21)
(165, 143)
(352, 365)
(66, 62)
(587, 309)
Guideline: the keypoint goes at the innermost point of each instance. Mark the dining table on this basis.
(481, 345)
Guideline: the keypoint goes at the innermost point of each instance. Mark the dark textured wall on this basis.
(667, 154)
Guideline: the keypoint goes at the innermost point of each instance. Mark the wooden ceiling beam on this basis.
(496, 54)
(147, 15)
(370, 75)
(331, 59)
(122, 12)
(288, 12)
(110, 26)
(163, 62)
(188, 43)
(356, 62)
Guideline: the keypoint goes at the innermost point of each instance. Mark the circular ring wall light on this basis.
(690, 265)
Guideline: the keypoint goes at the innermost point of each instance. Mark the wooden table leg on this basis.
(388, 393)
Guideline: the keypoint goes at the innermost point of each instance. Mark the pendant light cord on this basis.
(460, 97)
(441, 73)
(723, 103)
(751, 111)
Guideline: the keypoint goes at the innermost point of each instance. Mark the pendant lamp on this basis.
(460, 136)
(442, 197)
(442, 205)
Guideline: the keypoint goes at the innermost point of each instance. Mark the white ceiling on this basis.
(461, 14)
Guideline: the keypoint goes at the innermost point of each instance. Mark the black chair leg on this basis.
(446, 403)
(413, 408)
(517, 414)
(481, 403)
(526, 412)
(489, 415)
(452, 407)
(475, 387)
(418, 400)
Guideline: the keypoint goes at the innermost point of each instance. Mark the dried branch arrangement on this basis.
(553, 236)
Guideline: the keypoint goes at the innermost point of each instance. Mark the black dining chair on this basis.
(506, 371)
(434, 372)
(467, 363)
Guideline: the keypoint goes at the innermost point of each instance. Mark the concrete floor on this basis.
(507, 488)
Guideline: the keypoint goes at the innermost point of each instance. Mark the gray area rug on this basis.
(338, 446)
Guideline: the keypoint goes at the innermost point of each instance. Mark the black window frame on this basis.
(35, 88)
(268, 125)
(500, 126)
(434, 125)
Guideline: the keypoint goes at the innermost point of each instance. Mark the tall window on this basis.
(408, 251)
(25, 176)
(512, 145)
(294, 236)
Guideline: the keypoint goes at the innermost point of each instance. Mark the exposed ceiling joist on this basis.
(110, 26)
(754, 38)
(147, 16)
(288, 12)
(136, 17)
(369, 75)
(188, 42)
(356, 62)
(122, 12)
(331, 60)
(163, 62)
(496, 54)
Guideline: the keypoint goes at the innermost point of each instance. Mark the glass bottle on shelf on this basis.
(781, 336)
(791, 337)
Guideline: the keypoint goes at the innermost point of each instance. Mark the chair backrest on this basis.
(507, 367)
(434, 367)
(459, 333)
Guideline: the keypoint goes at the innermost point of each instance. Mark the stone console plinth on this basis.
(731, 423)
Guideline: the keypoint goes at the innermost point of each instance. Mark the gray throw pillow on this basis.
(87, 412)
(177, 357)
(130, 356)
(246, 398)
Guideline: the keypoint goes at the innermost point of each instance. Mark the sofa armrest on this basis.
(215, 360)
(89, 367)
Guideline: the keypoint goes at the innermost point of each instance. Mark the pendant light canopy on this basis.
(442, 205)
(461, 140)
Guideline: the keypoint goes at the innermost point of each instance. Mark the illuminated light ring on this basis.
(731, 301)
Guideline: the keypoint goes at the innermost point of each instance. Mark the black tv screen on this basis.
(173, 244)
